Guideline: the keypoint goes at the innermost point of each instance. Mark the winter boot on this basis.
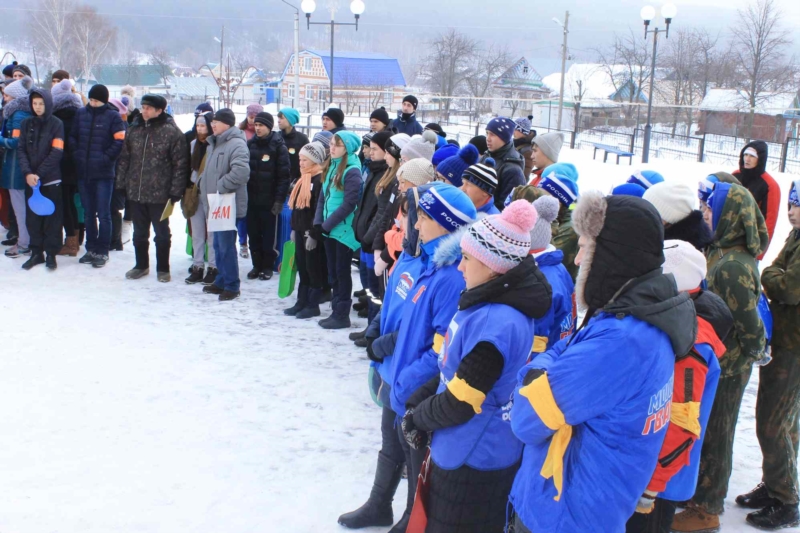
(340, 319)
(137, 273)
(775, 516)
(257, 265)
(358, 335)
(36, 259)
(378, 509)
(195, 277)
(227, 296)
(361, 343)
(70, 247)
(363, 313)
(87, 259)
(10, 240)
(360, 304)
(312, 306)
(758, 498)
(163, 277)
(327, 295)
(211, 276)
(142, 267)
(693, 520)
(162, 259)
(360, 294)
(212, 289)
(265, 275)
(50, 262)
(302, 300)
(402, 525)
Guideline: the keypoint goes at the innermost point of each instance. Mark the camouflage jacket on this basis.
(740, 236)
(566, 240)
(154, 164)
(781, 282)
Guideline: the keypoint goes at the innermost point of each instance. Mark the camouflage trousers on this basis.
(716, 458)
(776, 423)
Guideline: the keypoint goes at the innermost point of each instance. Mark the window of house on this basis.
(311, 92)
(307, 64)
(388, 96)
(290, 93)
(525, 70)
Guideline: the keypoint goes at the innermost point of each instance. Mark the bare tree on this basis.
(488, 65)
(94, 38)
(160, 58)
(679, 58)
(449, 65)
(627, 61)
(49, 25)
(761, 44)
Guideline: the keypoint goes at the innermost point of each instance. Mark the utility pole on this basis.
(296, 52)
(563, 70)
(221, 54)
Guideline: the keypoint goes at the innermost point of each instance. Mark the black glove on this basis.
(175, 199)
(316, 232)
(371, 353)
(415, 438)
(277, 208)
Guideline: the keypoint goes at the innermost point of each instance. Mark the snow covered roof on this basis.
(358, 68)
(188, 87)
(592, 84)
(735, 99)
(521, 75)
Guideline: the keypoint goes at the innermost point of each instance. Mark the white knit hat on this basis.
(420, 146)
(673, 201)
(417, 171)
(685, 263)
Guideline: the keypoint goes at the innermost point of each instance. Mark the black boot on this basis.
(255, 257)
(378, 509)
(37, 258)
(142, 256)
(302, 300)
(358, 335)
(340, 318)
(162, 258)
(775, 516)
(402, 525)
(758, 498)
(50, 262)
(327, 295)
(312, 306)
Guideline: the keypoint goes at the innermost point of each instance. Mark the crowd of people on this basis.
(549, 359)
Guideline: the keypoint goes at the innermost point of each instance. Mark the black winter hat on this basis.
(381, 138)
(226, 116)
(336, 115)
(433, 126)
(265, 119)
(8, 70)
(627, 241)
(25, 69)
(412, 100)
(154, 100)
(479, 142)
(100, 93)
(381, 115)
(454, 142)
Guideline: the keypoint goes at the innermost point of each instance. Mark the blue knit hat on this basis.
(502, 127)
(201, 109)
(448, 206)
(628, 189)
(453, 167)
(706, 187)
(291, 115)
(646, 178)
(443, 153)
(793, 198)
(325, 137)
(561, 181)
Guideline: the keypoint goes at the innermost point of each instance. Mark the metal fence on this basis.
(720, 150)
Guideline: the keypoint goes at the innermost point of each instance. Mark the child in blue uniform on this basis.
(479, 182)
(466, 406)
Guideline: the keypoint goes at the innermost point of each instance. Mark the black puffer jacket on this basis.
(154, 165)
(96, 141)
(65, 109)
(510, 167)
(368, 207)
(384, 217)
(41, 142)
(294, 141)
(269, 170)
(303, 219)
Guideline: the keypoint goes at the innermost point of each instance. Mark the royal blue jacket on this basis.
(488, 209)
(559, 322)
(425, 318)
(96, 141)
(613, 385)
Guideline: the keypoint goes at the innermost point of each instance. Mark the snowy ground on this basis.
(138, 407)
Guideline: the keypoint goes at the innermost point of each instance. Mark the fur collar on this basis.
(449, 250)
(18, 104)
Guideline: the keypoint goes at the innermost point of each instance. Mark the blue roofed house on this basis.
(361, 79)
(519, 87)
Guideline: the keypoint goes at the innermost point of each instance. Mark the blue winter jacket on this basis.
(12, 177)
(425, 318)
(410, 127)
(488, 209)
(96, 141)
(612, 382)
(559, 322)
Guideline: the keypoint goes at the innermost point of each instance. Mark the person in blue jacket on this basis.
(96, 141)
(474, 454)
(696, 378)
(559, 321)
(593, 410)
(479, 182)
(16, 108)
(406, 121)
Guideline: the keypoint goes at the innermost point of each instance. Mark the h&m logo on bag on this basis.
(221, 212)
(660, 409)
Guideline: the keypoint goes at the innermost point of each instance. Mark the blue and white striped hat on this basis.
(706, 187)
(561, 181)
(793, 198)
(646, 178)
(448, 206)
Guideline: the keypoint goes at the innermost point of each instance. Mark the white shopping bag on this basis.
(221, 212)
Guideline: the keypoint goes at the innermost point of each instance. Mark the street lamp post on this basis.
(565, 27)
(296, 51)
(648, 13)
(308, 7)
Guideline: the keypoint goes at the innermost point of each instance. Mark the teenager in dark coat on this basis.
(65, 106)
(41, 147)
(294, 140)
(266, 192)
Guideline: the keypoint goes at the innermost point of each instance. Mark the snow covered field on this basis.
(139, 407)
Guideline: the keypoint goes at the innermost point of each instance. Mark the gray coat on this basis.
(227, 168)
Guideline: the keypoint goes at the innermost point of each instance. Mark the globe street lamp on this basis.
(648, 13)
(309, 6)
